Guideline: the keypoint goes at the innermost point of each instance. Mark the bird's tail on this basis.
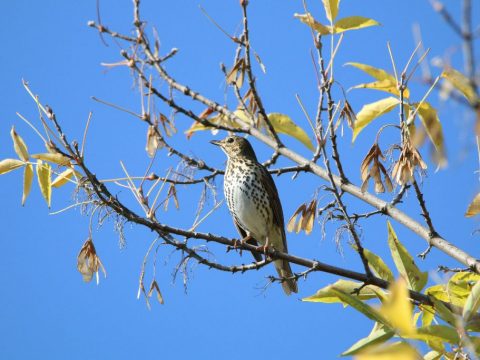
(289, 285)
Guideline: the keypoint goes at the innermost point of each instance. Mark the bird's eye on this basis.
(230, 140)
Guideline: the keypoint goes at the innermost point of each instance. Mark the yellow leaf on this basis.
(19, 145)
(27, 181)
(221, 120)
(314, 24)
(44, 180)
(331, 9)
(462, 84)
(353, 23)
(377, 73)
(397, 308)
(474, 207)
(429, 118)
(55, 158)
(8, 165)
(389, 351)
(371, 111)
(386, 82)
(64, 177)
(284, 125)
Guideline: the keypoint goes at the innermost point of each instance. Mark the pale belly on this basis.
(250, 210)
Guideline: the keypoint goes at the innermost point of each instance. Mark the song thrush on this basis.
(254, 204)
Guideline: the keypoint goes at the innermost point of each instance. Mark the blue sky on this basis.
(47, 311)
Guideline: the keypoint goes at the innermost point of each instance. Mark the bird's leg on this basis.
(264, 248)
(242, 241)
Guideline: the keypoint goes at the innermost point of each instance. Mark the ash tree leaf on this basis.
(284, 124)
(397, 308)
(359, 305)
(8, 165)
(55, 158)
(389, 351)
(462, 84)
(331, 9)
(314, 24)
(377, 336)
(385, 81)
(326, 295)
(473, 208)
(353, 23)
(442, 311)
(473, 302)
(437, 333)
(19, 145)
(378, 266)
(44, 172)
(416, 280)
(64, 177)
(371, 111)
(27, 182)
(429, 118)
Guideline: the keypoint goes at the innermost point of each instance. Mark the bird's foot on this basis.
(238, 243)
(265, 249)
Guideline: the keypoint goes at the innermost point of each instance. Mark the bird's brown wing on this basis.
(252, 241)
(274, 202)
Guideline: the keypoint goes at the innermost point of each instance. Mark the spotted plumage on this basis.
(253, 201)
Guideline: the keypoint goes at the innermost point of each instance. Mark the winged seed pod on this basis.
(153, 141)
(405, 166)
(88, 262)
(307, 217)
(372, 168)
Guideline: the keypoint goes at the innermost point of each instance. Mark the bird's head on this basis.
(236, 146)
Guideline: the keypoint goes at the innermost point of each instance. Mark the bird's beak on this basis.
(216, 142)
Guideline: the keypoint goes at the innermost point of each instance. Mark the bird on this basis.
(254, 204)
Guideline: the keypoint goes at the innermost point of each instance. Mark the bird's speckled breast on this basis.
(246, 198)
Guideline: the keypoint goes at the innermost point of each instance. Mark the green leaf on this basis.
(442, 311)
(314, 24)
(44, 172)
(353, 23)
(377, 336)
(378, 266)
(428, 313)
(473, 302)
(462, 84)
(326, 295)
(284, 124)
(27, 182)
(440, 333)
(416, 280)
(358, 304)
(19, 145)
(429, 118)
(8, 165)
(331, 9)
(371, 111)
